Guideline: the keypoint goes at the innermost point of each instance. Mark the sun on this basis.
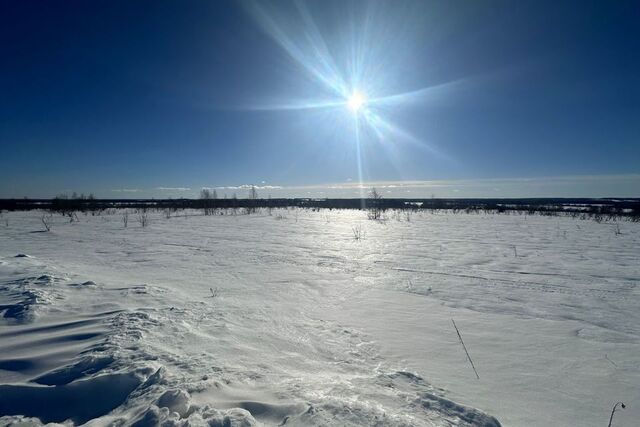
(356, 101)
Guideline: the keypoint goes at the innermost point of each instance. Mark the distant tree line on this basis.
(375, 205)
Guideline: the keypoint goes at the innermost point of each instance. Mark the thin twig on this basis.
(613, 411)
(465, 349)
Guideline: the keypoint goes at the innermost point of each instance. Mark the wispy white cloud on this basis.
(247, 187)
(126, 190)
(173, 188)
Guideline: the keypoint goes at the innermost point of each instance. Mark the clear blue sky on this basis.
(129, 98)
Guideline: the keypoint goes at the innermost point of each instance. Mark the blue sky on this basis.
(162, 98)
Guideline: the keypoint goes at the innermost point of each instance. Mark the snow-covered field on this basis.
(286, 319)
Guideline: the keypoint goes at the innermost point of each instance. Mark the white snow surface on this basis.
(286, 319)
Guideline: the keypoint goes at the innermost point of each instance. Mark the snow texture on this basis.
(284, 318)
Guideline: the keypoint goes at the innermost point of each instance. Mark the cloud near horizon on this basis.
(579, 186)
(127, 190)
(173, 188)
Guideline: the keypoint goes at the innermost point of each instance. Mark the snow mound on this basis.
(23, 298)
(85, 366)
(79, 402)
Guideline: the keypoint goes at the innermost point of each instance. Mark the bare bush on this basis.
(46, 221)
(358, 232)
(73, 216)
(125, 218)
(143, 217)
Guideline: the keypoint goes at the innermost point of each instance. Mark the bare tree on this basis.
(207, 196)
(125, 218)
(253, 193)
(375, 211)
(253, 196)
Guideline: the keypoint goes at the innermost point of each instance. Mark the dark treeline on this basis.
(608, 207)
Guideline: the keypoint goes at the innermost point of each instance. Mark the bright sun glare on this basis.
(356, 101)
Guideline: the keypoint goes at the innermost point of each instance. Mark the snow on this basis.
(286, 319)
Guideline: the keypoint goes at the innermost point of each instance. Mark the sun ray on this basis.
(298, 105)
(422, 95)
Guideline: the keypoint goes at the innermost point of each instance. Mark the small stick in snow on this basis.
(614, 410)
(612, 362)
(465, 349)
